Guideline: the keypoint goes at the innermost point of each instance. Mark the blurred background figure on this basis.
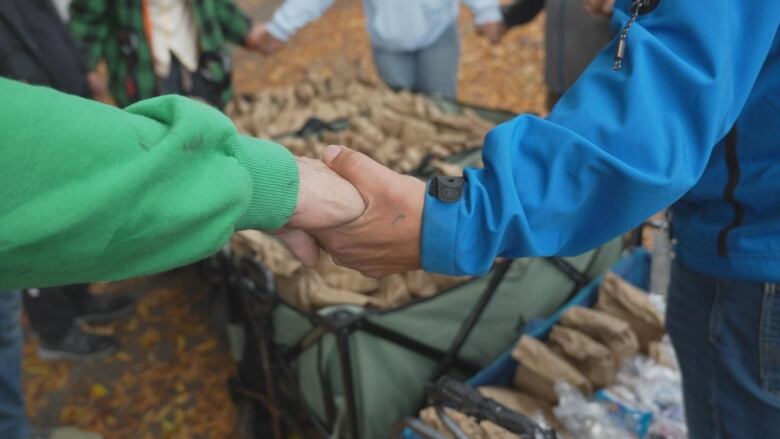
(157, 47)
(35, 47)
(415, 43)
(576, 31)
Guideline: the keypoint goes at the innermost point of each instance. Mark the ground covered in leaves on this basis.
(169, 379)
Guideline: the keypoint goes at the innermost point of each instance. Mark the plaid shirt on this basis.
(114, 30)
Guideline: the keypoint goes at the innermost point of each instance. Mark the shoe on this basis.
(79, 345)
(102, 309)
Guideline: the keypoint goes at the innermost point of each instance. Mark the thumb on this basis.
(302, 245)
(358, 168)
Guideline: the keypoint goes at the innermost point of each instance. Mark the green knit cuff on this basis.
(275, 183)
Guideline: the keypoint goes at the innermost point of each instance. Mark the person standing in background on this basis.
(35, 48)
(415, 43)
(157, 47)
(575, 32)
(573, 38)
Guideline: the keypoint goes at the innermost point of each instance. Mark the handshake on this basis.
(364, 215)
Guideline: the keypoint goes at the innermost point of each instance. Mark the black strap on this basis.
(579, 278)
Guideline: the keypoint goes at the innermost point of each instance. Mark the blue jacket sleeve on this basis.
(618, 147)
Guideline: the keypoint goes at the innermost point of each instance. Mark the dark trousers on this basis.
(182, 82)
(727, 337)
(53, 311)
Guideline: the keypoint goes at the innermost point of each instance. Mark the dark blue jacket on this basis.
(693, 118)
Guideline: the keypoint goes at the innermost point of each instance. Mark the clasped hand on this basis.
(364, 215)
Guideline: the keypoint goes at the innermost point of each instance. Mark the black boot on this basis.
(101, 309)
(79, 345)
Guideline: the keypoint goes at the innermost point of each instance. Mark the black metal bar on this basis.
(414, 345)
(448, 392)
(265, 342)
(327, 390)
(472, 319)
(569, 270)
(342, 341)
(297, 400)
(308, 340)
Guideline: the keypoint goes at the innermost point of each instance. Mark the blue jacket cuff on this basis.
(439, 232)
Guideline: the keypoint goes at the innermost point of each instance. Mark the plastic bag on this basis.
(585, 419)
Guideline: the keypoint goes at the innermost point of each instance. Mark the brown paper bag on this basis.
(448, 169)
(421, 284)
(590, 357)
(660, 354)
(539, 369)
(467, 424)
(309, 291)
(523, 403)
(368, 130)
(627, 302)
(393, 291)
(272, 253)
(614, 333)
(493, 431)
(517, 401)
(344, 278)
(416, 131)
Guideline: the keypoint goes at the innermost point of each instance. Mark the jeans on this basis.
(432, 70)
(727, 337)
(13, 420)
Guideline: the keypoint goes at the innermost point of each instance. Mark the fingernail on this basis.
(330, 153)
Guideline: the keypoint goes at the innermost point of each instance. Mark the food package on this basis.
(345, 278)
(538, 369)
(467, 424)
(512, 399)
(309, 290)
(328, 284)
(627, 302)
(663, 353)
(398, 129)
(393, 291)
(590, 357)
(612, 332)
(273, 253)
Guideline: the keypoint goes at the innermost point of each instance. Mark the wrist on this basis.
(274, 183)
(278, 32)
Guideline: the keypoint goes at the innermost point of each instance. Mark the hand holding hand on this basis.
(324, 200)
(493, 31)
(600, 7)
(385, 239)
(261, 40)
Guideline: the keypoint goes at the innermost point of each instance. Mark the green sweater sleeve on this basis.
(91, 192)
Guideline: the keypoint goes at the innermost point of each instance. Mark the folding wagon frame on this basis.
(252, 293)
